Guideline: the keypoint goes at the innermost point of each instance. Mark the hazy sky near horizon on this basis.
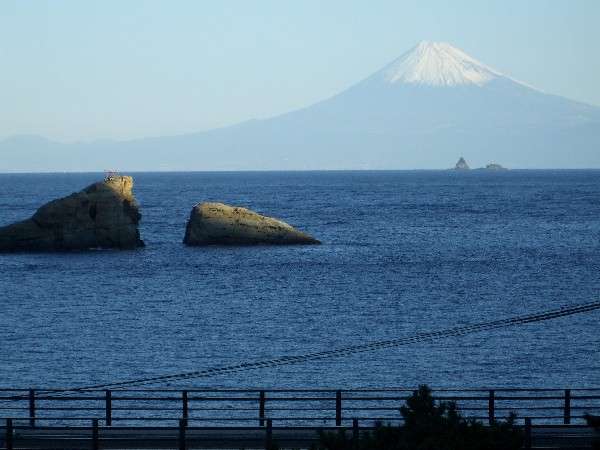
(111, 69)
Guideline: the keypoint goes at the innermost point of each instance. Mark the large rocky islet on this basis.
(103, 215)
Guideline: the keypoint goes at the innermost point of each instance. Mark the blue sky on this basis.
(73, 70)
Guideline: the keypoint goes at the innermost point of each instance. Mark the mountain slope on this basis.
(423, 110)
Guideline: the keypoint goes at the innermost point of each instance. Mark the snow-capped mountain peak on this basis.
(438, 64)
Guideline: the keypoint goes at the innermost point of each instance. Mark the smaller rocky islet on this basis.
(106, 215)
(220, 224)
(494, 166)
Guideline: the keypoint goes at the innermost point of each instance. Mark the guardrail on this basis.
(284, 407)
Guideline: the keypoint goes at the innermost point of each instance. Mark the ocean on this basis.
(403, 252)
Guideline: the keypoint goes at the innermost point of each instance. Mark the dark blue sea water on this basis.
(402, 252)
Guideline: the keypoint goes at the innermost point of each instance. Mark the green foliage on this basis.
(594, 422)
(430, 425)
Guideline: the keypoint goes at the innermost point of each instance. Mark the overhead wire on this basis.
(344, 351)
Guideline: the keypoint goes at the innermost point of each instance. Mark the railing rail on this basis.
(285, 407)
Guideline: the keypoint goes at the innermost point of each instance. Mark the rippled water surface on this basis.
(403, 252)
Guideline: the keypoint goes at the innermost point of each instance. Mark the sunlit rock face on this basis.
(219, 224)
(103, 215)
(462, 164)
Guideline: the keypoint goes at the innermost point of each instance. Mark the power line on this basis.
(350, 350)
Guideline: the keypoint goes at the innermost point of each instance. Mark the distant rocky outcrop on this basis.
(103, 215)
(494, 166)
(461, 164)
(216, 223)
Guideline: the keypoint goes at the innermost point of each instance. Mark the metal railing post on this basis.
(527, 444)
(31, 408)
(355, 433)
(338, 408)
(269, 435)
(95, 443)
(261, 409)
(491, 407)
(108, 408)
(182, 443)
(567, 411)
(184, 406)
(9, 435)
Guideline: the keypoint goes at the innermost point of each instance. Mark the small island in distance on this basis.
(495, 166)
(463, 165)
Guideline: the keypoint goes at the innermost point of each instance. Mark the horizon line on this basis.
(177, 171)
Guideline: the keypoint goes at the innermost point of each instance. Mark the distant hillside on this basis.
(424, 110)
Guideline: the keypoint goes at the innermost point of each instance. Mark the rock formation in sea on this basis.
(461, 164)
(103, 215)
(494, 166)
(216, 223)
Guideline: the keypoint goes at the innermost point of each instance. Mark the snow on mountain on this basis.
(437, 64)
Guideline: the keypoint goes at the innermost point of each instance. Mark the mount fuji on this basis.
(422, 111)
